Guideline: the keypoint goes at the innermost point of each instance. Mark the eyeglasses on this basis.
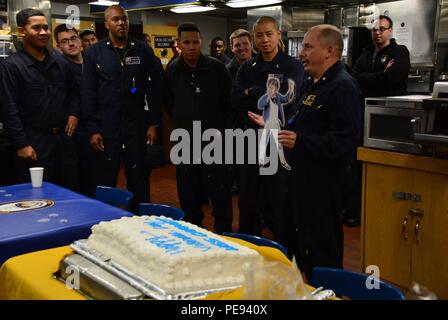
(380, 30)
(66, 40)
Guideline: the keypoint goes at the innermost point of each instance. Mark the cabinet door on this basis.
(430, 241)
(387, 222)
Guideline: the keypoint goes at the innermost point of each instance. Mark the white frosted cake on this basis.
(174, 255)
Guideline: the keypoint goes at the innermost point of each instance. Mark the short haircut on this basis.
(114, 6)
(216, 39)
(238, 33)
(187, 27)
(391, 24)
(62, 28)
(265, 19)
(23, 15)
(86, 32)
(330, 35)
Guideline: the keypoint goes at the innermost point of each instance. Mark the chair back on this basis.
(354, 285)
(114, 196)
(153, 209)
(257, 240)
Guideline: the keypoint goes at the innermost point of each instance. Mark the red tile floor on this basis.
(163, 190)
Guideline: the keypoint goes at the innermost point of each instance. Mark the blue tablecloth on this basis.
(69, 219)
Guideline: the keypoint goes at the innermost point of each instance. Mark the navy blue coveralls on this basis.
(37, 99)
(328, 127)
(81, 139)
(262, 194)
(113, 89)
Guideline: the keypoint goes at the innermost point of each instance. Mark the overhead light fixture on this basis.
(104, 3)
(193, 8)
(250, 3)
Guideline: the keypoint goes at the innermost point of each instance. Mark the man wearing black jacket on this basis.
(383, 69)
(119, 72)
(40, 105)
(197, 88)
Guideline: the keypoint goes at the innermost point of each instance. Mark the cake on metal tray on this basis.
(176, 256)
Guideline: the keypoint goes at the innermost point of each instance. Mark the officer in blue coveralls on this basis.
(118, 72)
(247, 88)
(327, 129)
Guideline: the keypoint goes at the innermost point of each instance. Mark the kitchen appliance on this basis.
(390, 123)
(437, 109)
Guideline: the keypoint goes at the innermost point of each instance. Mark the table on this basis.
(69, 218)
(30, 276)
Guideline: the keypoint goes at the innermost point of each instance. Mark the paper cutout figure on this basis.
(272, 104)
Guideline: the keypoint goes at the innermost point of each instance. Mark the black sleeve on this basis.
(168, 100)
(389, 78)
(154, 95)
(345, 127)
(226, 86)
(73, 94)
(89, 94)
(9, 89)
(242, 102)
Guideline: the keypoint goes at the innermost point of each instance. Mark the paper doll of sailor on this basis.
(272, 104)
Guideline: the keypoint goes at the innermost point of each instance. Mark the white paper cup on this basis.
(37, 175)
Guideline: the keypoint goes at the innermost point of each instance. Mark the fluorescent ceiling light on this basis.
(250, 3)
(104, 3)
(192, 8)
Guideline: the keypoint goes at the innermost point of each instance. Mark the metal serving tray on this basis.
(147, 288)
(94, 282)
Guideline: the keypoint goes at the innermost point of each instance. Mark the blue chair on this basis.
(353, 285)
(153, 209)
(257, 240)
(114, 196)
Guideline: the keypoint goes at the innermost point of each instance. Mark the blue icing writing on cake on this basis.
(174, 255)
(190, 241)
(169, 245)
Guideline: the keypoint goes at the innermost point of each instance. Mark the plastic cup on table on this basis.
(37, 174)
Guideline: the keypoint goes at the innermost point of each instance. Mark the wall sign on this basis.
(162, 41)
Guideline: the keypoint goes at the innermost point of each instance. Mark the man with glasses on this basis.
(40, 102)
(383, 69)
(119, 72)
(70, 44)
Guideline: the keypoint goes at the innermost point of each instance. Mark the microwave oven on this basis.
(390, 123)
